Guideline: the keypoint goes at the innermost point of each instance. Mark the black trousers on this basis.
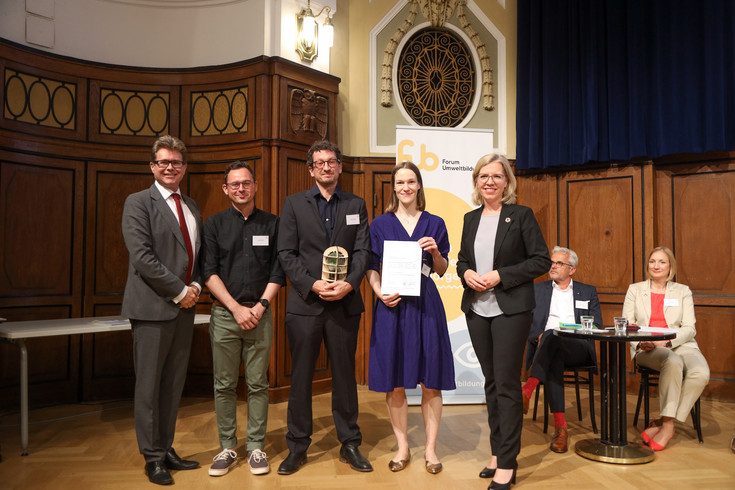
(305, 334)
(499, 343)
(161, 358)
(552, 355)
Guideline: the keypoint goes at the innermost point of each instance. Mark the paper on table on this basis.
(112, 322)
(401, 268)
(656, 329)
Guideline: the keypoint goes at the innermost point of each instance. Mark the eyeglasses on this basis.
(483, 178)
(332, 162)
(236, 185)
(165, 163)
(560, 264)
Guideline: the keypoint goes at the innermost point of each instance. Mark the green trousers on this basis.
(230, 346)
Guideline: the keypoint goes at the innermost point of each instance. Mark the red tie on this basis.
(187, 238)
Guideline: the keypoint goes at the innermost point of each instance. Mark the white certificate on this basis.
(401, 268)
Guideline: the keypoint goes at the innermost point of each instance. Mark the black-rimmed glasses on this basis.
(165, 163)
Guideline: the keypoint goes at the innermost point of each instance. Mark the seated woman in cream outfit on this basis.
(660, 302)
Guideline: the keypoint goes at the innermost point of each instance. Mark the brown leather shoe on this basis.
(526, 402)
(560, 441)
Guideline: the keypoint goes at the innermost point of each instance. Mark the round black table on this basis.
(613, 445)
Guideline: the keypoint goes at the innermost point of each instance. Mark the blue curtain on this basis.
(612, 80)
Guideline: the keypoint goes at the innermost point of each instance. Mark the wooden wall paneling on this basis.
(377, 194)
(219, 113)
(716, 338)
(133, 113)
(40, 231)
(695, 219)
(540, 193)
(601, 218)
(107, 358)
(703, 225)
(41, 253)
(41, 101)
(308, 112)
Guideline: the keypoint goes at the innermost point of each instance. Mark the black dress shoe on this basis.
(174, 462)
(157, 473)
(503, 486)
(487, 472)
(292, 463)
(350, 454)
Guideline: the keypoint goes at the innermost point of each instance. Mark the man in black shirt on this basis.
(241, 269)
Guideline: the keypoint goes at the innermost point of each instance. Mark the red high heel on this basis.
(646, 438)
(658, 447)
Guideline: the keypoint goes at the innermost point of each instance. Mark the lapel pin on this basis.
(507, 220)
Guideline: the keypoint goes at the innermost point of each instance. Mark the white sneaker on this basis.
(223, 462)
(258, 462)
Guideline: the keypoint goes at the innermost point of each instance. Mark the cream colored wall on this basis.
(350, 62)
(160, 33)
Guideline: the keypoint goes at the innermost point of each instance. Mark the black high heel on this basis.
(487, 472)
(502, 486)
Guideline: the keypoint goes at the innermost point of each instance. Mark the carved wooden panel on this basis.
(40, 231)
(126, 113)
(700, 229)
(309, 110)
(41, 101)
(218, 113)
(600, 219)
(539, 193)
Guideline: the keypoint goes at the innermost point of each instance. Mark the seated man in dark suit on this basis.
(560, 300)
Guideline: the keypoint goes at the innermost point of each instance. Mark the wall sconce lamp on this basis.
(307, 32)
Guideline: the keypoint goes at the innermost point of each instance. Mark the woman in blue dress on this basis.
(409, 344)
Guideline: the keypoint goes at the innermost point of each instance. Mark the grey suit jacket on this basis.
(302, 240)
(158, 257)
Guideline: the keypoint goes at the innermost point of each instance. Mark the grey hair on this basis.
(573, 259)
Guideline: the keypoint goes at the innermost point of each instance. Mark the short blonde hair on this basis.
(509, 193)
(672, 261)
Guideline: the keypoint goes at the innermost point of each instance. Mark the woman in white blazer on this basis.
(660, 302)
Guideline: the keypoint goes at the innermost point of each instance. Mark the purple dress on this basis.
(410, 342)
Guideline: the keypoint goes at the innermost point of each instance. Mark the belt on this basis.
(248, 304)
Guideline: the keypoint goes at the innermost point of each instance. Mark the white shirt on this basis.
(561, 309)
(191, 225)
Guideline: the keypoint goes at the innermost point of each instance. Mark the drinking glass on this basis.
(621, 323)
(587, 322)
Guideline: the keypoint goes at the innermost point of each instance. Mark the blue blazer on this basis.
(543, 291)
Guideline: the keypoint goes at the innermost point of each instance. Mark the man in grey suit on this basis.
(559, 300)
(318, 309)
(161, 228)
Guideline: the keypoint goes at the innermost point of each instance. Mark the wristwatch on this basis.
(668, 343)
(264, 302)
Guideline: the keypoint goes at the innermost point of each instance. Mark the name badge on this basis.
(353, 219)
(671, 302)
(582, 304)
(425, 270)
(260, 240)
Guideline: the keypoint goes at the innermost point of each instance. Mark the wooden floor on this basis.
(84, 447)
